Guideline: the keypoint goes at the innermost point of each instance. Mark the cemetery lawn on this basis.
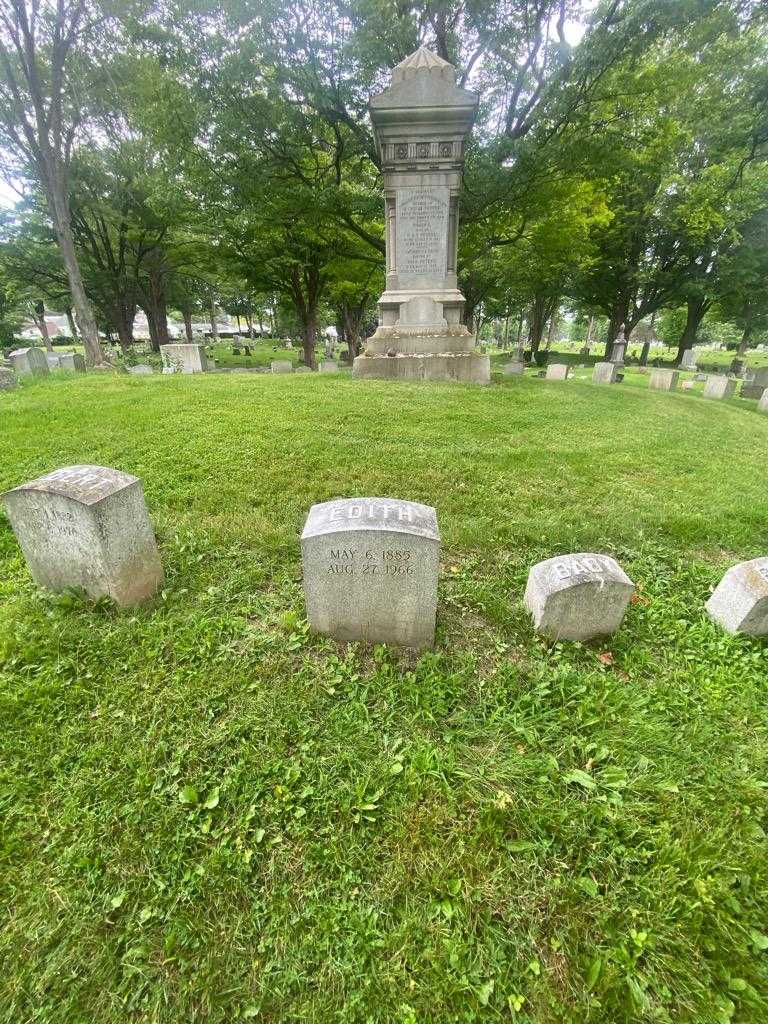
(210, 815)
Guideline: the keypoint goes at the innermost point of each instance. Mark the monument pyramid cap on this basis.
(422, 61)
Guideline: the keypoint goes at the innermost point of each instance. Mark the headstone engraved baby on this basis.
(370, 570)
(739, 603)
(87, 528)
(578, 597)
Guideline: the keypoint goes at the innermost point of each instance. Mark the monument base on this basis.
(465, 367)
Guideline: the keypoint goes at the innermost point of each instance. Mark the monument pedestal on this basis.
(464, 367)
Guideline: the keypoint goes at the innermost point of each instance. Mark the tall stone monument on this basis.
(420, 123)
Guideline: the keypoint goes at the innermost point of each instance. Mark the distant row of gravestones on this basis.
(716, 385)
(370, 565)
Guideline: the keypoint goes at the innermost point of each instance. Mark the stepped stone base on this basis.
(466, 367)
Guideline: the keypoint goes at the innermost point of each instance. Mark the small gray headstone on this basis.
(739, 602)
(303, 369)
(72, 361)
(557, 371)
(53, 360)
(7, 379)
(604, 373)
(141, 369)
(329, 366)
(664, 380)
(289, 345)
(29, 361)
(687, 385)
(577, 597)
(688, 362)
(87, 527)
(281, 366)
(757, 385)
(718, 386)
(370, 570)
(700, 378)
(186, 358)
(762, 405)
(514, 369)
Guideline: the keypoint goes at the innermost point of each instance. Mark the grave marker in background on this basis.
(577, 597)
(557, 371)
(604, 373)
(87, 527)
(282, 366)
(370, 570)
(72, 361)
(718, 386)
(184, 358)
(664, 380)
(29, 362)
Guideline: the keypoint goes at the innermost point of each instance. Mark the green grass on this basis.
(212, 816)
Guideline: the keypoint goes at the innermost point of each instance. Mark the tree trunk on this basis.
(42, 326)
(552, 329)
(187, 325)
(697, 308)
(536, 320)
(746, 337)
(59, 208)
(124, 315)
(249, 323)
(72, 325)
(214, 325)
(644, 352)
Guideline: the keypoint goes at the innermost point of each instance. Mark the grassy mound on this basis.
(210, 815)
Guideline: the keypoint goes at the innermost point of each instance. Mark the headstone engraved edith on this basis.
(370, 570)
(87, 528)
(420, 123)
(577, 597)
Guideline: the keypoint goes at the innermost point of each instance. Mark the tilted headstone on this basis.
(758, 384)
(72, 361)
(329, 366)
(577, 597)
(762, 405)
(281, 366)
(87, 527)
(420, 123)
(739, 603)
(370, 570)
(604, 373)
(718, 386)
(557, 371)
(514, 369)
(8, 379)
(186, 358)
(688, 362)
(664, 380)
(29, 362)
(140, 370)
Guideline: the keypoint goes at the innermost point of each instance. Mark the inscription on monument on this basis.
(422, 231)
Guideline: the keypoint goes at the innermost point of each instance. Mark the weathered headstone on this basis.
(72, 361)
(758, 384)
(557, 371)
(739, 603)
(87, 527)
(664, 380)
(29, 362)
(140, 370)
(281, 366)
(688, 362)
(604, 373)
(762, 405)
(514, 369)
(718, 386)
(699, 378)
(619, 347)
(687, 385)
(329, 366)
(289, 345)
(420, 123)
(183, 358)
(370, 570)
(577, 597)
(53, 360)
(8, 379)
(303, 369)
